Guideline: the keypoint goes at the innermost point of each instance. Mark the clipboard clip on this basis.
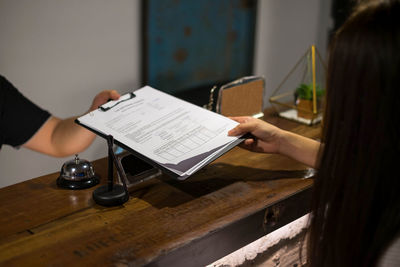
(110, 104)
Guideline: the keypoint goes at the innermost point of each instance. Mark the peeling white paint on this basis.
(250, 251)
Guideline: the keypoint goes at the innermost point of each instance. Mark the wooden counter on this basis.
(233, 201)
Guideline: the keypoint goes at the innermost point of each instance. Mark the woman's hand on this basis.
(270, 139)
(265, 137)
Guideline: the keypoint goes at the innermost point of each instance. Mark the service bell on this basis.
(77, 174)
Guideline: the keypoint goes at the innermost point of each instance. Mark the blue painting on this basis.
(190, 43)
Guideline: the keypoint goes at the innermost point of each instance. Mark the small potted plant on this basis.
(304, 99)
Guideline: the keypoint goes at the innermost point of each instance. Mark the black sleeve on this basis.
(19, 117)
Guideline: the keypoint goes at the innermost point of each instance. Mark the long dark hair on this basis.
(356, 207)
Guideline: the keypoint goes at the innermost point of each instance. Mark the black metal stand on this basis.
(112, 194)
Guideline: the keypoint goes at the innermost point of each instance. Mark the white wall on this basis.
(285, 30)
(61, 53)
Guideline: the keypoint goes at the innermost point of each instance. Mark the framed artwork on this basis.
(193, 45)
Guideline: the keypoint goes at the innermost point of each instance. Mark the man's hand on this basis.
(103, 97)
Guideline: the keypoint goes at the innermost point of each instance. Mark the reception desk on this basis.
(228, 204)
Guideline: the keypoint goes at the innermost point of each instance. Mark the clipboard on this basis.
(219, 151)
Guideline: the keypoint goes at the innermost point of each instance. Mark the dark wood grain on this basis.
(42, 224)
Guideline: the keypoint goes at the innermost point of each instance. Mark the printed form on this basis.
(178, 135)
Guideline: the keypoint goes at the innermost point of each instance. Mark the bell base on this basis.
(76, 185)
(116, 197)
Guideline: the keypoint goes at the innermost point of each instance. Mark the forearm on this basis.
(60, 138)
(70, 138)
(299, 148)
